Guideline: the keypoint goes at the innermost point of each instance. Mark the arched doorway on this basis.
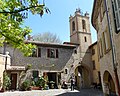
(108, 83)
(82, 77)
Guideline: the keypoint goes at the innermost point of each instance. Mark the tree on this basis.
(47, 37)
(12, 16)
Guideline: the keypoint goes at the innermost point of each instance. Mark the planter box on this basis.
(2, 90)
(35, 88)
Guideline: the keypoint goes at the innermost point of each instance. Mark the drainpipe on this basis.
(5, 62)
(113, 50)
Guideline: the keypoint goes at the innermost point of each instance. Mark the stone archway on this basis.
(109, 85)
(82, 77)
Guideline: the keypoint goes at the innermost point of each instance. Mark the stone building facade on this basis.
(105, 19)
(60, 62)
(80, 34)
(53, 59)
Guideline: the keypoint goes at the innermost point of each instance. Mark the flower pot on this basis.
(35, 88)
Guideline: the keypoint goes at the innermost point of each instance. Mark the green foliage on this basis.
(12, 16)
(29, 66)
(26, 85)
(33, 83)
(23, 75)
(46, 87)
(40, 82)
(6, 81)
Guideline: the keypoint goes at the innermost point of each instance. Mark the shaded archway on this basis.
(108, 83)
(82, 76)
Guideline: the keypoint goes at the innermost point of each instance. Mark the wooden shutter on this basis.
(39, 52)
(56, 53)
(48, 52)
(116, 12)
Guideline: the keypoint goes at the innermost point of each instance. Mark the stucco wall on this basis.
(106, 63)
(2, 65)
(97, 64)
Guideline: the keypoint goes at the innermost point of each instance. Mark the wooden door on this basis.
(13, 81)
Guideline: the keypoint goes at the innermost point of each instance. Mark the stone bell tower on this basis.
(80, 30)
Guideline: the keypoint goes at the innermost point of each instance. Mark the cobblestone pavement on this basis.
(55, 92)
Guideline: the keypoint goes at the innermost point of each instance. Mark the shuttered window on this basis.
(52, 53)
(107, 40)
(100, 49)
(39, 52)
(102, 11)
(56, 53)
(103, 42)
(48, 52)
(36, 52)
(116, 7)
(35, 74)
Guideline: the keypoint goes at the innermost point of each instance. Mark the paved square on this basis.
(55, 92)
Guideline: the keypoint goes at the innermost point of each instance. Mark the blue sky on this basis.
(58, 21)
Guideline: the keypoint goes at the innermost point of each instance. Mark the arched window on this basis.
(73, 26)
(66, 71)
(83, 24)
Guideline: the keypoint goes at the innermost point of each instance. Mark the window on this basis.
(66, 71)
(52, 53)
(93, 62)
(56, 53)
(85, 39)
(39, 52)
(36, 52)
(102, 11)
(100, 47)
(107, 40)
(103, 42)
(83, 24)
(73, 26)
(116, 11)
(75, 51)
(35, 74)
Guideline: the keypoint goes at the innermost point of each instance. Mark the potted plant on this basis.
(52, 83)
(6, 81)
(46, 87)
(25, 85)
